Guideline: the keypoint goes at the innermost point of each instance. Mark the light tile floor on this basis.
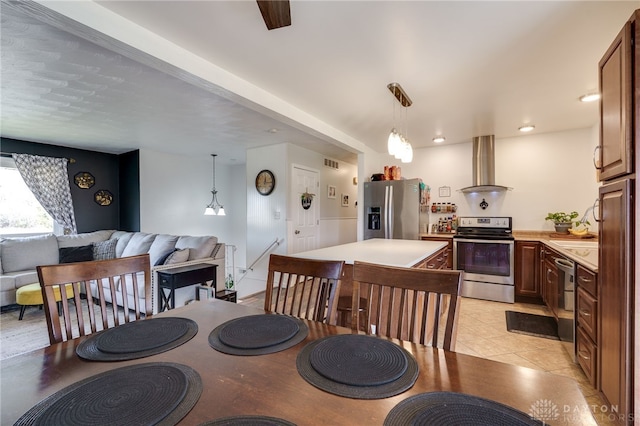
(482, 332)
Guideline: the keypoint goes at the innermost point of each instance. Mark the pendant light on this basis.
(214, 205)
(398, 144)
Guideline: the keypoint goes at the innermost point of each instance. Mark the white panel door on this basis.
(306, 223)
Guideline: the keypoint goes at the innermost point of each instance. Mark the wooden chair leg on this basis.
(22, 309)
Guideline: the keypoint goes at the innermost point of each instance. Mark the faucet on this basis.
(586, 213)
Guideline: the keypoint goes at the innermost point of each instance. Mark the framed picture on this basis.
(444, 191)
(331, 191)
(345, 200)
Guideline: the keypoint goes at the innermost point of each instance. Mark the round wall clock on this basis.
(265, 182)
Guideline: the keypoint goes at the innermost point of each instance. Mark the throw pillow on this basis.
(76, 254)
(177, 256)
(162, 259)
(104, 250)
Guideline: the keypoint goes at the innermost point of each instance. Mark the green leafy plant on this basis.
(562, 217)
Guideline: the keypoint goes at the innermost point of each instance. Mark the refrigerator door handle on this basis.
(385, 215)
(390, 212)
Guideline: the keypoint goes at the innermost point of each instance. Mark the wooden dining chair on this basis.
(304, 288)
(106, 277)
(417, 305)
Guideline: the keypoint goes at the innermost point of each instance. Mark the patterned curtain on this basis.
(48, 179)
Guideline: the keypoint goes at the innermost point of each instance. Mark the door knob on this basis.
(296, 232)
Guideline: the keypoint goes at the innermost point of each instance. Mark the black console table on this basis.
(184, 276)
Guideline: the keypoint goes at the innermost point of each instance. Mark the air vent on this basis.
(331, 163)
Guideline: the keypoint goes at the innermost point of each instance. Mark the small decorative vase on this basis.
(562, 227)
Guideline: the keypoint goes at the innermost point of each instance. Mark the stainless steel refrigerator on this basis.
(392, 209)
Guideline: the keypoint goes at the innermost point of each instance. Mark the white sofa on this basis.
(20, 256)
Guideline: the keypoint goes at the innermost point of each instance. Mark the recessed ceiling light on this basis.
(526, 128)
(273, 130)
(589, 97)
(439, 139)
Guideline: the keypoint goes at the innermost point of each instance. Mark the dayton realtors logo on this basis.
(544, 410)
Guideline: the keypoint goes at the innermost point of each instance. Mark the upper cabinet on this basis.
(615, 155)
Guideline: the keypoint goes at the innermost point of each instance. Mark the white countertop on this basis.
(403, 253)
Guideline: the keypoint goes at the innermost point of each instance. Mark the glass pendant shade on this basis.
(209, 211)
(407, 155)
(392, 142)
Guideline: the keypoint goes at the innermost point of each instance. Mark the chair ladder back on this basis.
(408, 303)
(305, 288)
(96, 275)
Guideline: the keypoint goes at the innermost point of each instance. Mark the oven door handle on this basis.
(482, 241)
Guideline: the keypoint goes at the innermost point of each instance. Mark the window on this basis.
(20, 212)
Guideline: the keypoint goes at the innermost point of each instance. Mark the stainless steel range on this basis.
(483, 248)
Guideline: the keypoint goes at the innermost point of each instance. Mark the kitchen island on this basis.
(403, 253)
(389, 252)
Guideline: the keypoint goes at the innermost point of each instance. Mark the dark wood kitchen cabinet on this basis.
(446, 254)
(587, 321)
(527, 272)
(616, 107)
(550, 280)
(615, 295)
(619, 76)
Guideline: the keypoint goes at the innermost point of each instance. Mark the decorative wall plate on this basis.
(103, 197)
(84, 180)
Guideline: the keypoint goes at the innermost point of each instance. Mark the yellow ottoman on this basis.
(31, 295)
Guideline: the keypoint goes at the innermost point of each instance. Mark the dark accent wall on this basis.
(106, 169)
(129, 165)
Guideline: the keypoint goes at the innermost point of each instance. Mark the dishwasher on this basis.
(566, 303)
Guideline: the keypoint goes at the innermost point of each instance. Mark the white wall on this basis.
(548, 172)
(174, 191)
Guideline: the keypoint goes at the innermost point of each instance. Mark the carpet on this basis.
(532, 325)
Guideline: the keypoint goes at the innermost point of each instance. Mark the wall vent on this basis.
(331, 163)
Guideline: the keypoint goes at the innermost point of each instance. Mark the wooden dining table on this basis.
(270, 385)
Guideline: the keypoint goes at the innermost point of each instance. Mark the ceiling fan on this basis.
(276, 13)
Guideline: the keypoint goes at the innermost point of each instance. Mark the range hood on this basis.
(484, 166)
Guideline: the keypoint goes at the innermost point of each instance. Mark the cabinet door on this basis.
(616, 107)
(527, 278)
(615, 280)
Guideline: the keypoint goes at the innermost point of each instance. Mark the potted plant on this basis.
(562, 221)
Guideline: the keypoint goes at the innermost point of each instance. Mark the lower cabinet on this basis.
(527, 272)
(442, 259)
(587, 323)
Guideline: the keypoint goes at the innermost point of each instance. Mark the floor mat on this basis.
(532, 325)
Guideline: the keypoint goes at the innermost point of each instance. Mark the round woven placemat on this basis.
(365, 367)
(451, 408)
(137, 339)
(351, 359)
(248, 421)
(258, 334)
(151, 393)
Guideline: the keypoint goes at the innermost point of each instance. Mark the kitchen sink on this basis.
(575, 244)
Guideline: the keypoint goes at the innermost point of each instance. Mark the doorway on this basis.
(305, 226)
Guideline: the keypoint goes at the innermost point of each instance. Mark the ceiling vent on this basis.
(333, 164)
(484, 166)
